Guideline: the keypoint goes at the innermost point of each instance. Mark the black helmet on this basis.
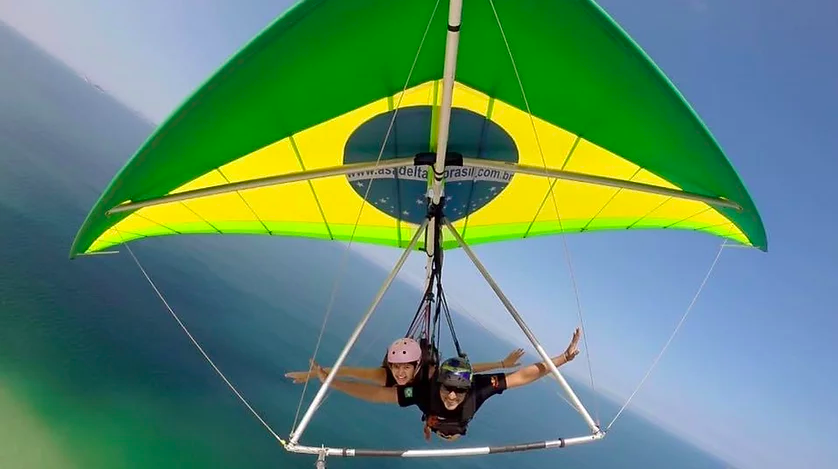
(455, 373)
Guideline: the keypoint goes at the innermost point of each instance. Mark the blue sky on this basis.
(748, 376)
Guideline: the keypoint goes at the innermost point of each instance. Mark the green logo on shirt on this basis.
(408, 392)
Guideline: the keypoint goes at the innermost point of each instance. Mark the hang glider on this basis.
(378, 121)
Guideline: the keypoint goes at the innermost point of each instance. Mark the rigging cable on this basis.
(556, 208)
(200, 349)
(672, 336)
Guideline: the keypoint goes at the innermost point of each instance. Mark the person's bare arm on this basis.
(376, 375)
(510, 361)
(537, 371)
(367, 392)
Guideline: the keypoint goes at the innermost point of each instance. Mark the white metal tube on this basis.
(98, 253)
(509, 307)
(598, 180)
(449, 72)
(318, 398)
(429, 250)
(399, 162)
(443, 453)
(263, 182)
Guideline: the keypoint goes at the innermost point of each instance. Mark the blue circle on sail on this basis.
(401, 192)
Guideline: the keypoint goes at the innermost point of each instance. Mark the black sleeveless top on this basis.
(425, 395)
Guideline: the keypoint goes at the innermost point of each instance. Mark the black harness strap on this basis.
(425, 329)
(425, 326)
(450, 427)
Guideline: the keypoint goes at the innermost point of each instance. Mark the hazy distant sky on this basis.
(749, 376)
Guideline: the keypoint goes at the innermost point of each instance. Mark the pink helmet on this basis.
(404, 350)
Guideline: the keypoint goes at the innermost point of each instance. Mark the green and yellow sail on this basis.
(317, 89)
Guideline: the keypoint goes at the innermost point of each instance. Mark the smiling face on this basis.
(451, 396)
(403, 372)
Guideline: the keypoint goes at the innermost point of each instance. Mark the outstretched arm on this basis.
(537, 371)
(510, 361)
(367, 392)
(376, 375)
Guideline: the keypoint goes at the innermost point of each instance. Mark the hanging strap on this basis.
(420, 326)
(425, 326)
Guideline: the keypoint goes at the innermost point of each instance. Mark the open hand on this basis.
(511, 360)
(299, 377)
(321, 373)
(572, 349)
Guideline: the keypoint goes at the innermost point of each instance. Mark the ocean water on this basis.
(95, 373)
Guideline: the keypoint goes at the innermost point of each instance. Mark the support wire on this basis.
(672, 336)
(558, 215)
(200, 349)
